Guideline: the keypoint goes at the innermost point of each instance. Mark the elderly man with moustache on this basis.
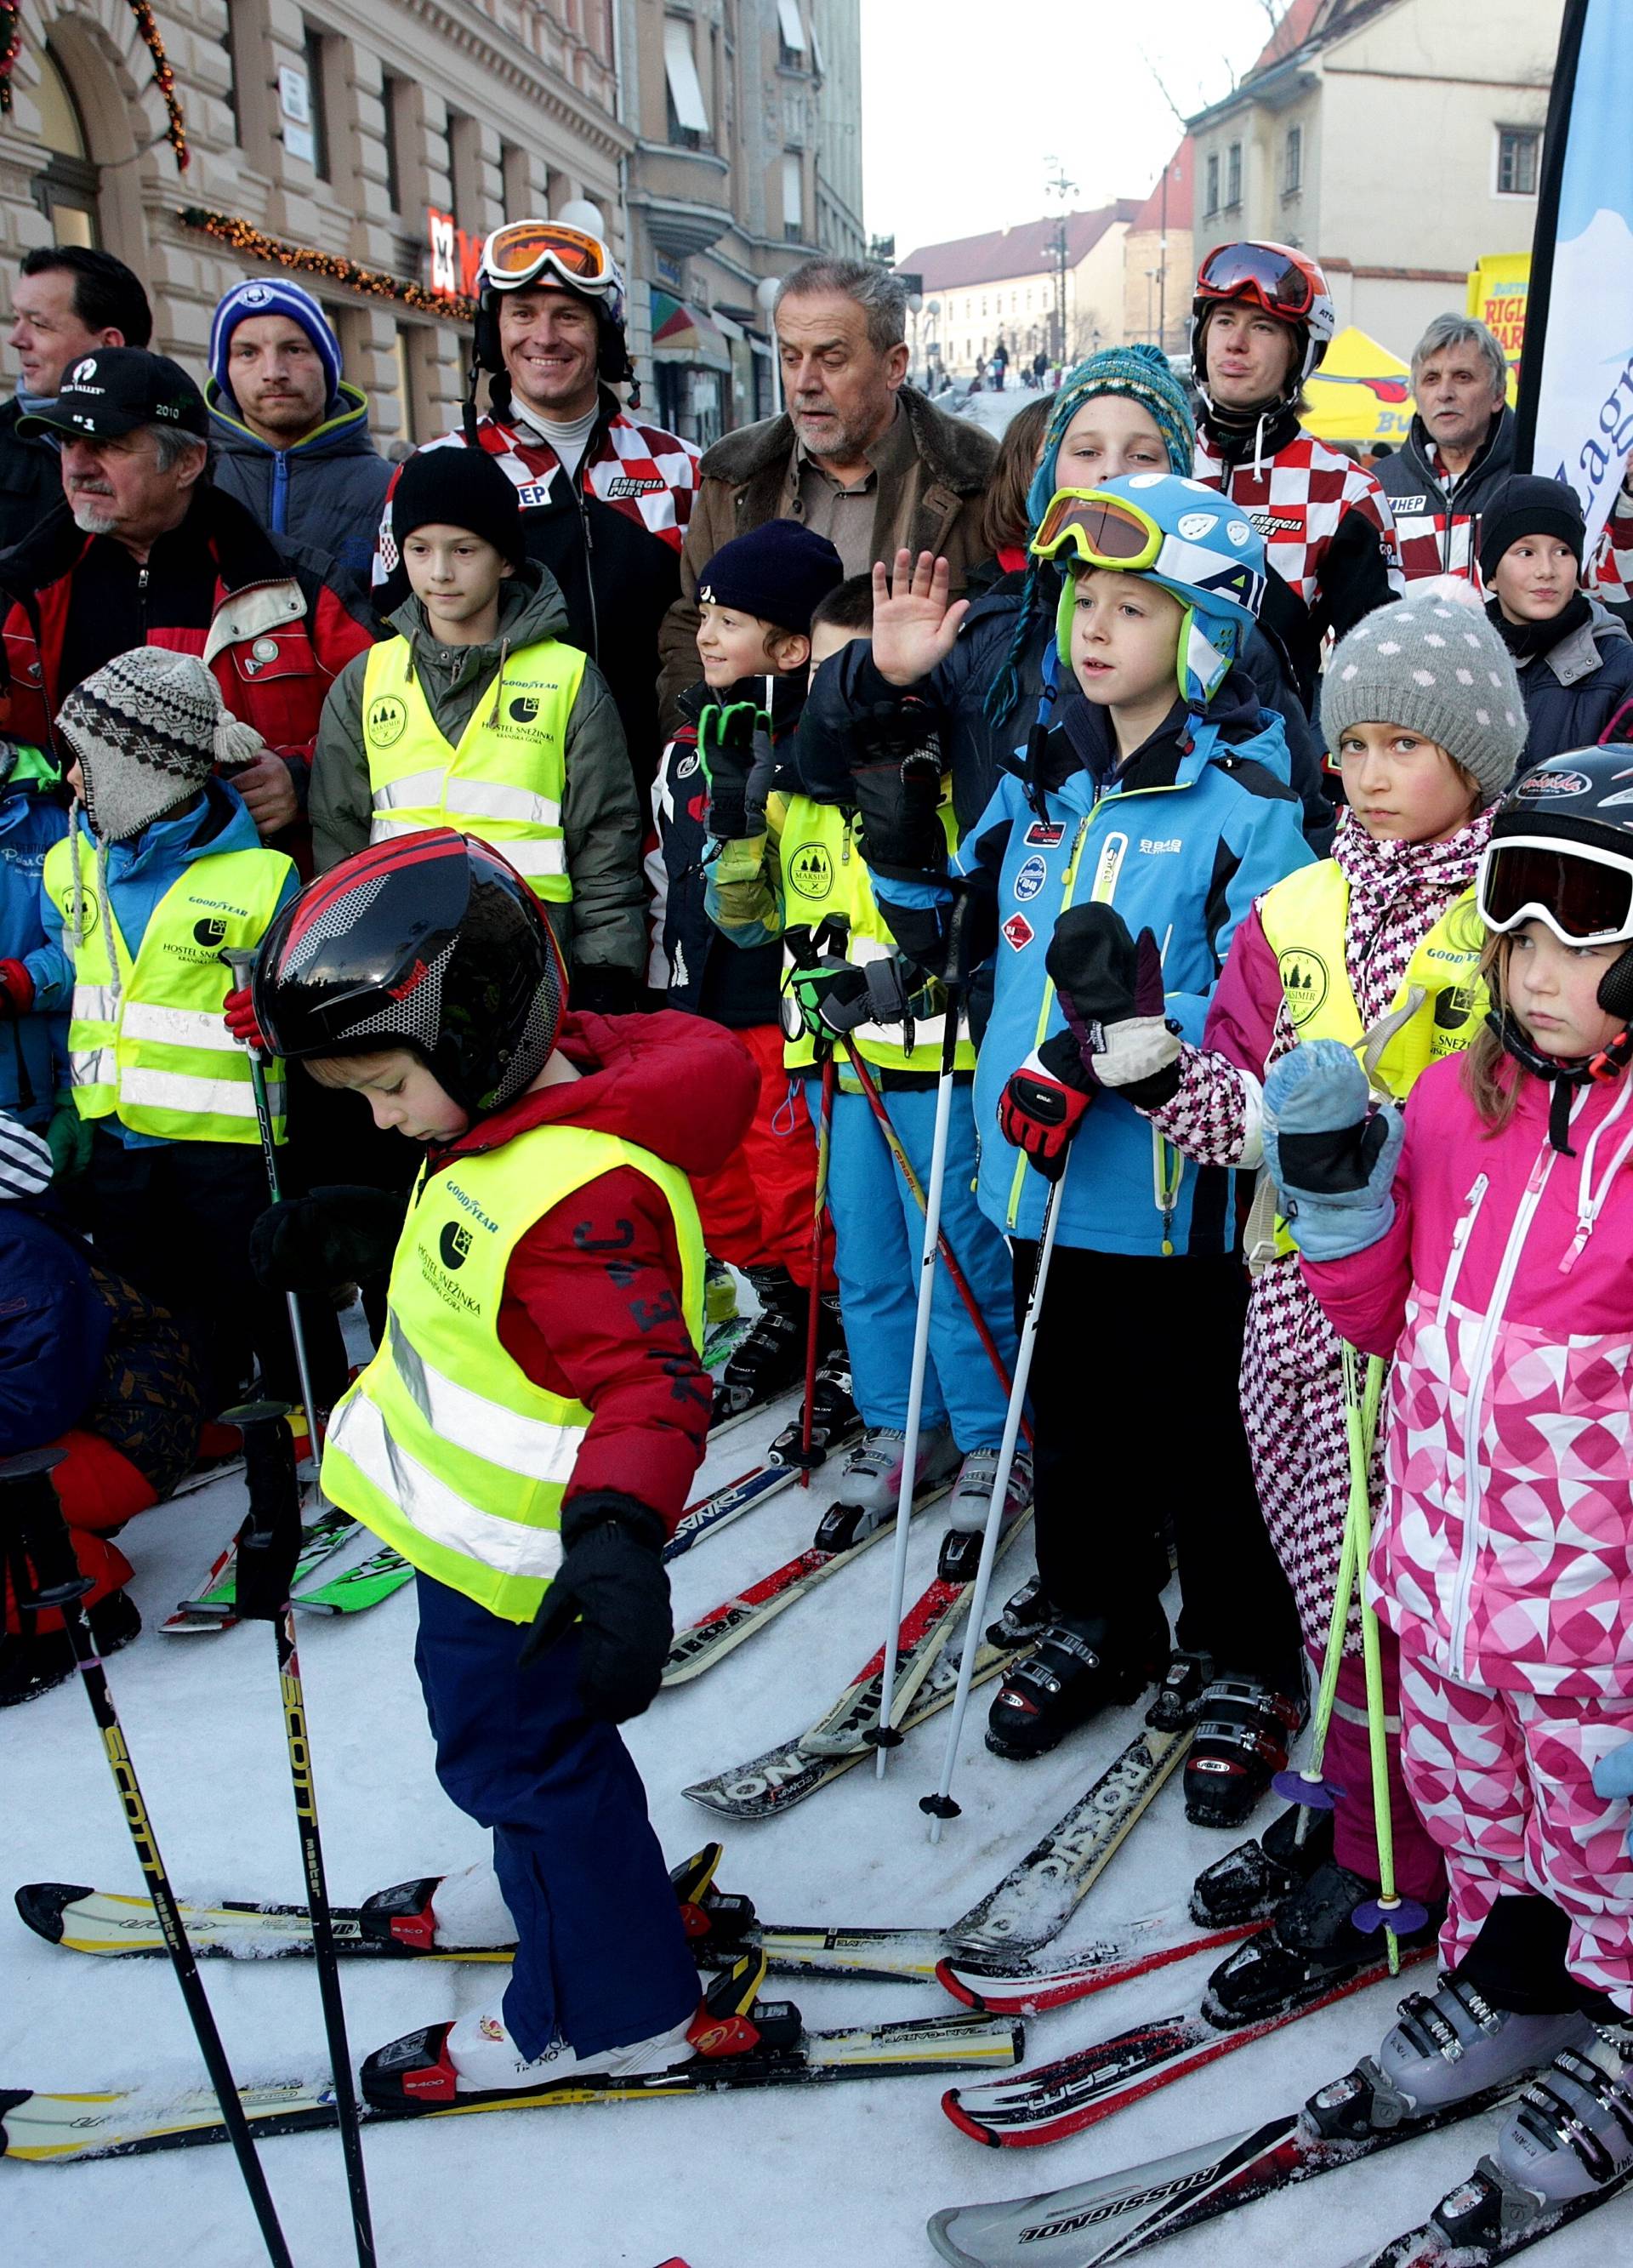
(1460, 449)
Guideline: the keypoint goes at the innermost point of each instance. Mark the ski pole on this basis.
(814, 1306)
(941, 1806)
(46, 1573)
(268, 1545)
(240, 959)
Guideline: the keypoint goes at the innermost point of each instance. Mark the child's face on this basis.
(399, 1091)
(1125, 635)
(829, 638)
(1534, 578)
(1402, 788)
(732, 644)
(453, 574)
(1110, 435)
(1551, 989)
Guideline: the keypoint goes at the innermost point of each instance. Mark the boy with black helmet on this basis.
(527, 1433)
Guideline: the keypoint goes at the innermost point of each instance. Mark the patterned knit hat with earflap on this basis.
(147, 729)
(1432, 664)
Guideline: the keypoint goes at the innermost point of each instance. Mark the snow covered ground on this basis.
(842, 2177)
(995, 411)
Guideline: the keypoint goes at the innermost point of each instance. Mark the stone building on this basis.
(1016, 284)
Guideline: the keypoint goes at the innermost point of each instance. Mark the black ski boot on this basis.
(1311, 1948)
(1251, 1883)
(834, 1419)
(1179, 1695)
(772, 1358)
(1026, 1616)
(1245, 1729)
(1077, 1671)
(32, 1665)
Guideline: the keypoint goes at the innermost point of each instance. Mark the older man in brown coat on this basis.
(858, 456)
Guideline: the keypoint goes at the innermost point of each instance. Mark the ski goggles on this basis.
(1239, 271)
(1583, 894)
(1104, 531)
(523, 250)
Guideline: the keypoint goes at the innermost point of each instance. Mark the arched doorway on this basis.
(65, 189)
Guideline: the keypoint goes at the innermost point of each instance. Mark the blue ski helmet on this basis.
(1187, 537)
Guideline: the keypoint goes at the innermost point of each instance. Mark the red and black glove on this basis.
(239, 1015)
(1043, 1104)
(16, 990)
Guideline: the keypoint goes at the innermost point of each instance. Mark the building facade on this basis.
(1052, 287)
(1397, 140)
(368, 147)
(1158, 259)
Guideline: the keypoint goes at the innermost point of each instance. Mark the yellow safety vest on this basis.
(1441, 1006)
(444, 1446)
(824, 874)
(505, 781)
(153, 1050)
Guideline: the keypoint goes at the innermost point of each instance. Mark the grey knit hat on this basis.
(148, 730)
(1433, 664)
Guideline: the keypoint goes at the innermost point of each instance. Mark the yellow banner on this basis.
(1498, 290)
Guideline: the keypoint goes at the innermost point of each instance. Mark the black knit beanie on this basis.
(452, 487)
(1526, 505)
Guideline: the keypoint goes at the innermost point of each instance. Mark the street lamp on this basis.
(765, 297)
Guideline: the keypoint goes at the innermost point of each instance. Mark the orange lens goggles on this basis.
(517, 253)
(1103, 530)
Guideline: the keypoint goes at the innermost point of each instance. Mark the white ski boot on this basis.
(1455, 2044)
(468, 1911)
(972, 1498)
(870, 1482)
(1572, 2132)
(486, 2059)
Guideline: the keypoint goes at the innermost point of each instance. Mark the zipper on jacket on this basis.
(141, 598)
(589, 565)
(1472, 1490)
(1460, 1235)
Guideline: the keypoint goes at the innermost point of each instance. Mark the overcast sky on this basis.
(962, 101)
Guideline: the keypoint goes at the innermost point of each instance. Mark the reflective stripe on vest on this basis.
(444, 1446)
(151, 1048)
(505, 782)
(824, 874)
(1439, 1007)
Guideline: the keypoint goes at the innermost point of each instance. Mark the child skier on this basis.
(478, 715)
(799, 869)
(1379, 947)
(755, 598)
(1574, 657)
(1163, 792)
(527, 1433)
(1484, 1243)
(34, 1054)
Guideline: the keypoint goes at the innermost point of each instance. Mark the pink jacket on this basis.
(1505, 1289)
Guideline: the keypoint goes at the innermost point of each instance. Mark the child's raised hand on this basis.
(913, 627)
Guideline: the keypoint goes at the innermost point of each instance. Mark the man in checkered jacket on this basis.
(1260, 324)
(604, 497)
(1458, 452)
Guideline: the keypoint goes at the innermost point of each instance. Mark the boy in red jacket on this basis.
(527, 1432)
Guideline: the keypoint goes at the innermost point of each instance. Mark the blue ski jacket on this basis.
(34, 1048)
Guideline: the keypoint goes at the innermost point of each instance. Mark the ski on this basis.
(1114, 2216)
(355, 1588)
(69, 2129)
(1092, 2084)
(782, 1468)
(211, 1610)
(1042, 1981)
(203, 1475)
(1038, 1895)
(721, 1341)
(1485, 2219)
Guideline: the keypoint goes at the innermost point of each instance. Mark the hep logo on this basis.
(524, 708)
(386, 720)
(454, 1243)
(212, 931)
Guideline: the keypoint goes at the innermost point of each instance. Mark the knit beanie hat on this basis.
(777, 573)
(148, 730)
(1525, 505)
(259, 295)
(456, 487)
(1139, 373)
(1432, 664)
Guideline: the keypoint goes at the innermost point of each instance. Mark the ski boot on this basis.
(972, 1498)
(1072, 1676)
(1179, 1695)
(31, 1665)
(772, 1358)
(1026, 1616)
(719, 1293)
(1312, 1947)
(1453, 2044)
(1250, 1883)
(1572, 2132)
(870, 1482)
(1245, 1729)
(834, 1418)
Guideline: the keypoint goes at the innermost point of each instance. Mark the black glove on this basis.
(605, 991)
(896, 778)
(613, 1583)
(734, 751)
(1111, 993)
(337, 1235)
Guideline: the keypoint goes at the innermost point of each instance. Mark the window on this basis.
(791, 33)
(314, 45)
(793, 195)
(1519, 153)
(391, 89)
(688, 121)
(1211, 205)
(66, 191)
(1292, 162)
(1233, 177)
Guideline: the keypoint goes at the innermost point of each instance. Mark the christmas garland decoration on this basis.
(165, 80)
(10, 47)
(334, 267)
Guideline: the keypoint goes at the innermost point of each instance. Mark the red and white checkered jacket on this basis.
(1609, 574)
(1297, 502)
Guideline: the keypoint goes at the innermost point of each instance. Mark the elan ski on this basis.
(355, 1588)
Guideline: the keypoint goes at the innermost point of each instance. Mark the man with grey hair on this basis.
(1459, 449)
(858, 456)
(145, 550)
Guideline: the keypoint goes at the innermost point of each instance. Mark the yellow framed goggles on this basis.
(523, 250)
(1103, 530)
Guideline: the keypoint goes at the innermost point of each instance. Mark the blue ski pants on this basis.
(601, 1958)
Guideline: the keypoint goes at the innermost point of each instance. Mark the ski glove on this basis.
(1329, 1151)
(897, 782)
(1043, 1104)
(734, 751)
(16, 990)
(1110, 990)
(834, 996)
(612, 1582)
(337, 1235)
(1613, 1775)
(69, 1137)
(239, 1015)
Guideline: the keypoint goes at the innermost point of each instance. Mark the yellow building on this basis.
(1054, 286)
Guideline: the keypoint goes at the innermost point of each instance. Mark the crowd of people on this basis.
(1205, 859)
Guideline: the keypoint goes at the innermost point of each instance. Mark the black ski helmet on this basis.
(1580, 800)
(431, 941)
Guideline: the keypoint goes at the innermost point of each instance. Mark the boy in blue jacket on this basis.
(33, 1050)
(1164, 792)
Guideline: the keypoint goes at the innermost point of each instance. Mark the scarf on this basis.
(1526, 641)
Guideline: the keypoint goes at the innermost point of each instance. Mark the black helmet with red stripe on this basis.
(431, 941)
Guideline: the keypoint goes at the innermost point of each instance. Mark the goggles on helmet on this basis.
(1104, 531)
(1259, 272)
(1585, 895)
(524, 250)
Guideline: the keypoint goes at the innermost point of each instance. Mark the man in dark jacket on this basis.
(67, 301)
(1459, 449)
(291, 435)
(858, 456)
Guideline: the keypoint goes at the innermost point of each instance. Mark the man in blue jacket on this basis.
(291, 434)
